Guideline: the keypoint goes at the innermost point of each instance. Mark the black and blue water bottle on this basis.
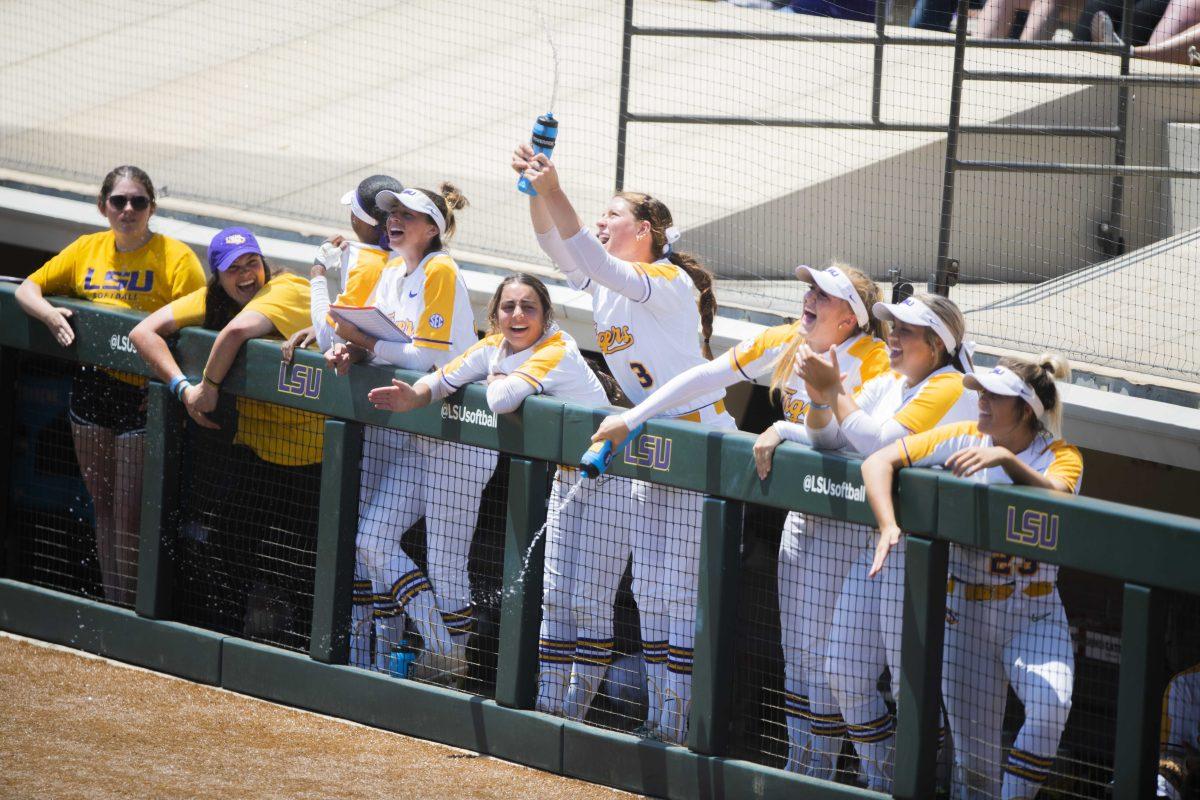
(545, 131)
(596, 458)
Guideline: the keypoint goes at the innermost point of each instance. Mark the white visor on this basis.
(836, 283)
(1003, 381)
(350, 198)
(415, 200)
(914, 312)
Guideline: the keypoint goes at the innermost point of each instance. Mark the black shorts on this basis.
(97, 398)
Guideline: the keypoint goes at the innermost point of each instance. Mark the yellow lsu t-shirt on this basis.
(284, 436)
(145, 279)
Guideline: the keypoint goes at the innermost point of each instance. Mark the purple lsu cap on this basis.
(228, 245)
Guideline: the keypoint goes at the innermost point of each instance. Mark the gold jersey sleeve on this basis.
(437, 317)
(1067, 464)
(546, 358)
(472, 364)
(935, 399)
(753, 357)
(873, 357)
(363, 277)
(933, 447)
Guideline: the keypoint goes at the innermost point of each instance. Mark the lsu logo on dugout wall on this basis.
(649, 451)
(1033, 528)
(300, 380)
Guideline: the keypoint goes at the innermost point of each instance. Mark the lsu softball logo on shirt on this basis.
(614, 340)
(137, 280)
(1034, 528)
(300, 380)
(649, 451)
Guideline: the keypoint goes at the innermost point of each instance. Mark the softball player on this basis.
(811, 566)
(925, 389)
(643, 301)
(1180, 741)
(351, 269)
(525, 353)
(354, 269)
(128, 266)
(277, 450)
(1005, 623)
(406, 475)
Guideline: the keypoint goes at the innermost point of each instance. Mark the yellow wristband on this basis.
(210, 381)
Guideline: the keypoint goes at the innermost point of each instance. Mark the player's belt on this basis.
(718, 408)
(1003, 591)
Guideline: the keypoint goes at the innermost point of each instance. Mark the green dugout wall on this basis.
(1151, 553)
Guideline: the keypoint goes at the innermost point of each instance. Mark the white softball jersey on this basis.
(431, 305)
(1051, 457)
(647, 322)
(552, 366)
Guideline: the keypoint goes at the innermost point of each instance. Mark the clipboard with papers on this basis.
(371, 321)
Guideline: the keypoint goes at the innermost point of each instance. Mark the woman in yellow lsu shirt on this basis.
(266, 523)
(127, 266)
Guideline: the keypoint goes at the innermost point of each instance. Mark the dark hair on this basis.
(611, 388)
(219, 307)
(649, 209)
(1040, 373)
(367, 190)
(125, 171)
(539, 288)
(448, 199)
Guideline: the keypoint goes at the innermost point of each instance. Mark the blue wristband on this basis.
(178, 384)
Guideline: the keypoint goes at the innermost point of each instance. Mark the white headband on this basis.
(415, 200)
(350, 198)
(915, 312)
(1003, 381)
(834, 282)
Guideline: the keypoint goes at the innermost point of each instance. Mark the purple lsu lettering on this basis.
(614, 339)
(1034, 529)
(649, 451)
(794, 409)
(1037, 528)
(300, 380)
(120, 281)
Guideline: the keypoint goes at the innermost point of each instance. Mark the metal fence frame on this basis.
(1110, 239)
(935, 508)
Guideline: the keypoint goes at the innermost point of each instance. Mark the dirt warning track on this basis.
(73, 725)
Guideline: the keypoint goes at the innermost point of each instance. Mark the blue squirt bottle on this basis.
(545, 131)
(596, 458)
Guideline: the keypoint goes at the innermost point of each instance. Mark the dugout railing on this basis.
(1152, 553)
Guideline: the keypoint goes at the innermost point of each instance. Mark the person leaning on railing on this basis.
(405, 476)
(647, 316)
(924, 389)
(129, 267)
(814, 553)
(526, 353)
(359, 265)
(1005, 623)
(356, 265)
(277, 450)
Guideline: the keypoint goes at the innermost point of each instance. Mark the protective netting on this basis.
(430, 560)
(77, 475)
(1030, 667)
(830, 146)
(619, 585)
(248, 523)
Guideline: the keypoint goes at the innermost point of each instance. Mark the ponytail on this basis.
(703, 280)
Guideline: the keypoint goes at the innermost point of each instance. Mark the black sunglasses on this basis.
(139, 201)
